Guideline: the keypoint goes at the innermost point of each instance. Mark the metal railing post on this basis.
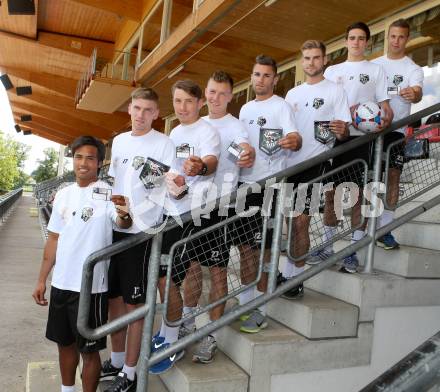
(276, 237)
(372, 221)
(153, 278)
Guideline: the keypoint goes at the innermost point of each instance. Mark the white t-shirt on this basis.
(84, 226)
(362, 81)
(272, 113)
(129, 154)
(230, 129)
(203, 139)
(323, 101)
(400, 73)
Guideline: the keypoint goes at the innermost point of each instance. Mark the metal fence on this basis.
(219, 234)
(7, 201)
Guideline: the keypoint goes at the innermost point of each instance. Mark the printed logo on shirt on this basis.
(138, 162)
(397, 79)
(318, 102)
(261, 121)
(125, 160)
(86, 213)
(363, 78)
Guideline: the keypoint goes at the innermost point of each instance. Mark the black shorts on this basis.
(303, 198)
(181, 255)
(249, 230)
(63, 315)
(397, 151)
(353, 173)
(128, 271)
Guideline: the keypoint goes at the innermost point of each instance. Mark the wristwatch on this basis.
(203, 170)
(125, 217)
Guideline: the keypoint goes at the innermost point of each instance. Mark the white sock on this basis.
(130, 371)
(357, 235)
(386, 217)
(162, 328)
(191, 321)
(67, 388)
(288, 269)
(117, 359)
(297, 270)
(171, 334)
(261, 308)
(246, 296)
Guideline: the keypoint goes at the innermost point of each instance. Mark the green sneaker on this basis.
(255, 323)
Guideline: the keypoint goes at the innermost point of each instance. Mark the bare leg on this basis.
(91, 370)
(219, 289)
(134, 337)
(117, 308)
(393, 187)
(68, 357)
(301, 238)
(192, 285)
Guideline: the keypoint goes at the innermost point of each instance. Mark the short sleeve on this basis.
(416, 77)
(287, 118)
(210, 143)
(381, 85)
(56, 221)
(342, 110)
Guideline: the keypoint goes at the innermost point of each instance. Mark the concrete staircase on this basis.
(346, 330)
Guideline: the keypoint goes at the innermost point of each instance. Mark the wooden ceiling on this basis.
(50, 50)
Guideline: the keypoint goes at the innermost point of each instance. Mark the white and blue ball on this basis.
(368, 116)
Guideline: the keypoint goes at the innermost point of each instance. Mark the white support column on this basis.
(61, 160)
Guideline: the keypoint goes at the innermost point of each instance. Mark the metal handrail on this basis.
(145, 361)
(7, 201)
(418, 371)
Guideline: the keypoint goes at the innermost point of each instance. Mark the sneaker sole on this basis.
(346, 270)
(178, 358)
(298, 296)
(108, 377)
(247, 330)
(383, 246)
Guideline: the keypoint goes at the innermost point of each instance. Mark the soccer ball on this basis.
(367, 117)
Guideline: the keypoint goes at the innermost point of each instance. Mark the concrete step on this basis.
(218, 376)
(45, 377)
(418, 234)
(279, 350)
(370, 291)
(407, 261)
(316, 316)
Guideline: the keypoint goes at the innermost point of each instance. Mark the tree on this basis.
(12, 157)
(47, 167)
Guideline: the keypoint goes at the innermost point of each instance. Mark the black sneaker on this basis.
(294, 293)
(108, 371)
(122, 384)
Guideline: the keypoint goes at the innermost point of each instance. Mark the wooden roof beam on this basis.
(130, 9)
(113, 122)
(60, 84)
(77, 45)
(82, 127)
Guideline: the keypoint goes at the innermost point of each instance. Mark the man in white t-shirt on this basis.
(362, 81)
(271, 126)
(405, 83)
(80, 224)
(322, 114)
(138, 158)
(191, 175)
(235, 152)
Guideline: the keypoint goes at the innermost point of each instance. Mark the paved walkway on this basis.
(22, 323)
